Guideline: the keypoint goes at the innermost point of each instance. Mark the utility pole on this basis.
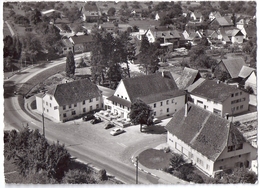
(43, 128)
(136, 169)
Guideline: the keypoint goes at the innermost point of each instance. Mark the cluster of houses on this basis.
(221, 29)
(200, 129)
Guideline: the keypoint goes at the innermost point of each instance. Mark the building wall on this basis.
(251, 81)
(50, 107)
(237, 39)
(235, 104)
(68, 112)
(121, 91)
(168, 107)
(39, 104)
(203, 163)
(234, 158)
(150, 36)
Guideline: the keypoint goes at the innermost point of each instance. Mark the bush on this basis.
(102, 174)
(179, 175)
(176, 160)
(249, 89)
(195, 178)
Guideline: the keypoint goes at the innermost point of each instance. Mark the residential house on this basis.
(248, 75)
(235, 36)
(196, 16)
(82, 43)
(67, 46)
(210, 142)
(70, 100)
(221, 22)
(214, 15)
(193, 37)
(188, 77)
(232, 66)
(90, 12)
(160, 15)
(218, 97)
(157, 90)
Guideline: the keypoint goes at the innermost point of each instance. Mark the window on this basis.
(220, 167)
(126, 98)
(70, 106)
(167, 102)
(154, 113)
(120, 105)
(97, 99)
(90, 100)
(154, 105)
(236, 94)
(176, 103)
(84, 110)
(90, 108)
(172, 100)
(231, 148)
(64, 115)
(55, 107)
(83, 102)
(240, 92)
(216, 111)
(237, 107)
(47, 110)
(239, 146)
(73, 112)
(122, 97)
(161, 103)
(50, 104)
(97, 106)
(207, 166)
(167, 110)
(128, 108)
(64, 107)
(50, 97)
(232, 95)
(46, 103)
(239, 156)
(75, 105)
(215, 102)
(241, 107)
(118, 95)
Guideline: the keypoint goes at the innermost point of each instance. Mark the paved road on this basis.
(113, 153)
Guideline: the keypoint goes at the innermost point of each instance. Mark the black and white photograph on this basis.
(114, 93)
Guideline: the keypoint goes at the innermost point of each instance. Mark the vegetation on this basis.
(70, 64)
(141, 113)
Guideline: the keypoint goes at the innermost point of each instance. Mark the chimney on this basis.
(186, 103)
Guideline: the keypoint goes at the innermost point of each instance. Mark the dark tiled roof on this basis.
(82, 39)
(224, 21)
(245, 71)
(188, 77)
(74, 92)
(204, 131)
(233, 66)
(211, 89)
(148, 85)
(119, 101)
(90, 7)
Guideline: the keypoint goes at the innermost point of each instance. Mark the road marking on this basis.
(123, 145)
(33, 123)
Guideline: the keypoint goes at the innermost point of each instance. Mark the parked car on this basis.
(156, 120)
(88, 117)
(109, 125)
(116, 131)
(96, 120)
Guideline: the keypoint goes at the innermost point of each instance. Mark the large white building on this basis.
(210, 142)
(218, 97)
(157, 90)
(70, 100)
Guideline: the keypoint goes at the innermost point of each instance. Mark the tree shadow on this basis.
(9, 89)
(22, 72)
(154, 129)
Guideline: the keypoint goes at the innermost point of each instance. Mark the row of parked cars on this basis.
(95, 120)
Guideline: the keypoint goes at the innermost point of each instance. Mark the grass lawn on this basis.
(155, 159)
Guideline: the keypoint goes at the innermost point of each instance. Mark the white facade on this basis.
(227, 159)
(238, 102)
(237, 39)
(251, 81)
(52, 109)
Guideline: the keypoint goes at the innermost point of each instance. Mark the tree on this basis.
(73, 14)
(141, 113)
(102, 174)
(111, 11)
(77, 177)
(35, 16)
(176, 160)
(55, 15)
(239, 175)
(70, 64)
(8, 64)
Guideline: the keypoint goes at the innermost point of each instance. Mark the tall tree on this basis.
(141, 113)
(70, 64)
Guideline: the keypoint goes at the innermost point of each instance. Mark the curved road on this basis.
(98, 155)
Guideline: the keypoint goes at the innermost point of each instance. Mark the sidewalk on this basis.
(163, 177)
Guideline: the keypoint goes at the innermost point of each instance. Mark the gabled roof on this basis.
(67, 42)
(188, 77)
(233, 66)
(81, 39)
(204, 131)
(151, 87)
(223, 21)
(245, 71)
(74, 92)
(214, 90)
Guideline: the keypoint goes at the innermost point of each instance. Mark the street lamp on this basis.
(136, 169)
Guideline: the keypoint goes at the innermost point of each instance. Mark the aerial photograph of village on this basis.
(129, 92)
